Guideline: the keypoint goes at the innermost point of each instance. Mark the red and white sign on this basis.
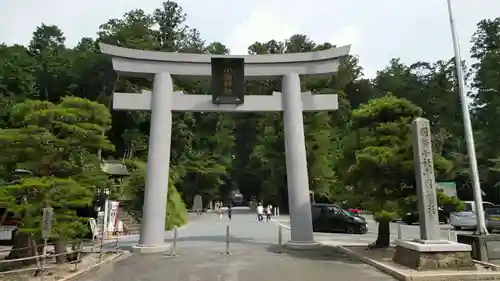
(112, 216)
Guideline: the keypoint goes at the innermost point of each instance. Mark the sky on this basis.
(378, 30)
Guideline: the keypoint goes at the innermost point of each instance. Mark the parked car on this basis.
(8, 227)
(466, 219)
(354, 211)
(492, 218)
(412, 217)
(332, 218)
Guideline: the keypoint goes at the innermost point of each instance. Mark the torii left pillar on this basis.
(152, 237)
(296, 164)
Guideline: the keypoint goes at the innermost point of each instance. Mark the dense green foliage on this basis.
(62, 95)
(176, 214)
(58, 144)
(381, 158)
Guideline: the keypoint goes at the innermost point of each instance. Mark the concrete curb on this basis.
(113, 240)
(378, 265)
(280, 224)
(330, 243)
(424, 275)
(84, 270)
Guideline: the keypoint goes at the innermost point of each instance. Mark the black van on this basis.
(332, 218)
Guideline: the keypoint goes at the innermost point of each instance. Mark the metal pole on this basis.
(452, 236)
(78, 254)
(469, 137)
(93, 243)
(101, 246)
(116, 240)
(44, 258)
(280, 235)
(174, 242)
(227, 240)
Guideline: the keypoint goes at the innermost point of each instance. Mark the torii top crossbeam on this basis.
(131, 62)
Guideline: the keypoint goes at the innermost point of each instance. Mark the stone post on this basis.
(430, 252)
(152, 235)
(296, 164)
(424, 175)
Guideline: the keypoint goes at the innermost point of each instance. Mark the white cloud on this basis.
(346, 36)
(377, 30)
(261, 25)
(267, 20)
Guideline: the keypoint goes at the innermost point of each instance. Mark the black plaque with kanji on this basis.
(228, 80)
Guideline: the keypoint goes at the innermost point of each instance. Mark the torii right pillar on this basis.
(296, 164)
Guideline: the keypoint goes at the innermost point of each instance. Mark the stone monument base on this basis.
(433, 255)
(484, 247)
(302, 245)
(146, 249)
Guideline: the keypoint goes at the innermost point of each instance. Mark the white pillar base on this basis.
(302, 245)
(151, 249)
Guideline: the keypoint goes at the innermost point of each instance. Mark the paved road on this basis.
(254, 256)
(408, 231)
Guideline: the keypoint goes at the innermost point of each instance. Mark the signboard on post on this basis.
(93, 227)
(47, 222)
(112, 216)
(228, 80)
(101, 225)
(449, 188)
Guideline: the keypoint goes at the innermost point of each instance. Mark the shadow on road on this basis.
(218, 239)
(236, 210)
(321, 253)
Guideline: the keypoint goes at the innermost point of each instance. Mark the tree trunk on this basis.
(22, 247)
(383, 235)
(60, 249)
(4, 217)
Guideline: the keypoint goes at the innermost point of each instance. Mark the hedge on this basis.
(177, 214)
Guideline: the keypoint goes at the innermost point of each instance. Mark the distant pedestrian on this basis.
(260, 212)
(221, 211)
(230, 211)
(269, 210)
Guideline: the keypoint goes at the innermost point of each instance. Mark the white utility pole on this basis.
(469, 137)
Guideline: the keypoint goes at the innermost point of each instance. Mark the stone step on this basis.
(129, 223)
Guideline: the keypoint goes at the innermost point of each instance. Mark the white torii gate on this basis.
(163, 100)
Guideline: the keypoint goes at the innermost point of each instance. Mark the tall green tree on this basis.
(383, 169)
(58, 144)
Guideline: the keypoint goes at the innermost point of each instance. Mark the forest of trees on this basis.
(56, 121)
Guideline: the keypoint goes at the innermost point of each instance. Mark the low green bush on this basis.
(177, 214)
(134, 185)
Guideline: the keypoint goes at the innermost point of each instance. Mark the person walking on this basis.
(230, 211)
(221, 211)
(269, 210)
(260, 212)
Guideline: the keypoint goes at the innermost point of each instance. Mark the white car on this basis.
(6, 232)
(466, 219)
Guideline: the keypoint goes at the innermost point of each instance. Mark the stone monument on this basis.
(430, 251)
(228, 74)
(197, 203)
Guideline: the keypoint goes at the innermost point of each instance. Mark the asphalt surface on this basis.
(408, 232)
(254, 256)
